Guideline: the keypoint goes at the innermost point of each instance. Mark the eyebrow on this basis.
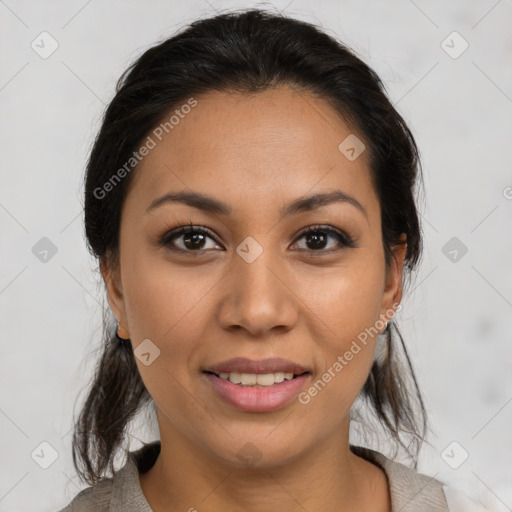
(210, 205)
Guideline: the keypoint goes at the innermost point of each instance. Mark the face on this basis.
(247, 279)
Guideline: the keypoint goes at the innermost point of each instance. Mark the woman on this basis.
(250, 199)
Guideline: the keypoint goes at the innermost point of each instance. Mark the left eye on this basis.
(318, 236)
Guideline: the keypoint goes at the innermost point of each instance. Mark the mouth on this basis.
(257, 386)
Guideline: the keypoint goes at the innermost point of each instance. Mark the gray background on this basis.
(455, 319)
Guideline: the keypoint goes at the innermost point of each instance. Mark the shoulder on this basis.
(410, 491)
(96, 498)
(115, 493)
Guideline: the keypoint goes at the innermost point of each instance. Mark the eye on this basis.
(316, 238)
(192, 238)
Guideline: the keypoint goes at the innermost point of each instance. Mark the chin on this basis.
(258, 448)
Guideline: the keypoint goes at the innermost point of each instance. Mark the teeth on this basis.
(251, 379)
(248, 379)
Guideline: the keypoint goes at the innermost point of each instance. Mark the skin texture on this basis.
(257, 153)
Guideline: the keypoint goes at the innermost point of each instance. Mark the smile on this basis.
(257, 392)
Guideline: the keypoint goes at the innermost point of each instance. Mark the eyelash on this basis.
(171, 234)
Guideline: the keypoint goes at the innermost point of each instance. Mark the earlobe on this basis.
(393, 289)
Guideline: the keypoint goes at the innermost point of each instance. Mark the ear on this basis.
(109, 268)
(393, 287)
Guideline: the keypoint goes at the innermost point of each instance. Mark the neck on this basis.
(328, 477)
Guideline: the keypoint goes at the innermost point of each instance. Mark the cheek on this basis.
(164, 302)
(347, 309)
(346, 301)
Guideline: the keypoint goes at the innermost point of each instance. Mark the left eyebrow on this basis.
(211, 205)
(315, 201)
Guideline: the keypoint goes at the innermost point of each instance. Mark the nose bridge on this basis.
(258, 299)
(256, 277)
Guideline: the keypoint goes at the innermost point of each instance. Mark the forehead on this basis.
(279, 144)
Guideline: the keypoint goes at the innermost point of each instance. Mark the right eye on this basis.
(191, 238)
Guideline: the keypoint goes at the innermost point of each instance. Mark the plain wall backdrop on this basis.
(447, 68)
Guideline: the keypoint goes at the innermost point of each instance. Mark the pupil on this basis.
(315, 239)
(196, 238)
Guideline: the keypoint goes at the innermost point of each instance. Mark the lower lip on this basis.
(258, 399)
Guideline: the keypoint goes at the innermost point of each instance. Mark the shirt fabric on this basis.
(410, 491)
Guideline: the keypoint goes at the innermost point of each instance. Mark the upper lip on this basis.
(244, 365)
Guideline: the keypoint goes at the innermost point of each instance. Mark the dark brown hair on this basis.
(247, 51)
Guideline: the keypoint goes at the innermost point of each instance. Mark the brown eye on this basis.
(191, 239)
(317, 238)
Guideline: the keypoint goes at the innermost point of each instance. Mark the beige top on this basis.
(410, 491)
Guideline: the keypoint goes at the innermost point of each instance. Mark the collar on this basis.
(410, 491)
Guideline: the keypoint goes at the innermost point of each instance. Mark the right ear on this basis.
(109, 268)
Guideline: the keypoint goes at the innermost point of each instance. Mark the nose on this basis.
(258, 298)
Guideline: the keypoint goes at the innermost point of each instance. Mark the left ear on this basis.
(393, 287)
